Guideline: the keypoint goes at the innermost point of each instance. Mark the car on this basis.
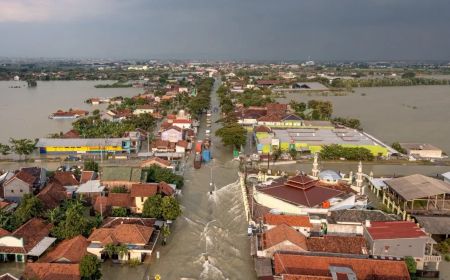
(72, 158)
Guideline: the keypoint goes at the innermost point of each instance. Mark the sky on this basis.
(227, 29)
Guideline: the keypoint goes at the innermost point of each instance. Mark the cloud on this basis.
(53, 10)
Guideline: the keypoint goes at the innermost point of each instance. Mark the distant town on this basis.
(227, 170)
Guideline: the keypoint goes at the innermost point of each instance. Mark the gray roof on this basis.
(419, 146)
(42, 246)
(92, 186)
(330, 175)
(121, 173)
(77, 142)
(358, 216)
(446, 175)
(434, 224)
(418, 186)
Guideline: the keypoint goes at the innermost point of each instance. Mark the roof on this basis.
(119, 200)
(144, 190)
(300, 190)
(166, 189)
(446, 175)
(173, 127)
(42, 246)
(282, 233)
(69, 250)
(419, 146)
(25, 177)
(358, 216)
(290, 220)
(8, 276)
(418, 186)
(262, 128)
(394, 230)
(330, 175)
(121, 173)
(92, 186)
(52, 195)
(270, 118)
(338, 244)
(123, 233)
(4, 232)
(182, 143)
(77, 142)
(276, 107)
(87, 176)
(52, 271)
(155, 160)
(434, 224)
(320, 266)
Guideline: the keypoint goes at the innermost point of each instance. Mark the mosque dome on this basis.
(329, 176)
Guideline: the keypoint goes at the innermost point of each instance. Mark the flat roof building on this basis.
(84, 145)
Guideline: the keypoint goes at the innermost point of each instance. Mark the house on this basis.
(422, 150)
(52, 271)
(300, 223)
(104, 204)
(139, 239)
(316, 267)
(65, 178)
(157, 161)
(52, 195)
(119, 176)
(87, 176)
(68, 251)
(26, 181)
(182, 123)
(172, 134)
(286, 238)
(144, 109)
(28, 241)
(302, 194)
(141, 192)
(181, 146)
(162, 146)
(401, 239)
(90, 190)
(352, 221)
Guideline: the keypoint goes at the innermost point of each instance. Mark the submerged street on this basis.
(212, 225)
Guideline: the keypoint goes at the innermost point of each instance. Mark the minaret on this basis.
(359, 178)
(371, 175)
(315, 169)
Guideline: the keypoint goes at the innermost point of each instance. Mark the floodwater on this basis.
(24, 111)
(212, 225)
(404, 114)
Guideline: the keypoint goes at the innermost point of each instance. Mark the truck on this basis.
(198, 155)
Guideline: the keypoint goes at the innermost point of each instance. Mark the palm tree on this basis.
(122, 250)
(52, 215)
(109, 249)
(165, 233)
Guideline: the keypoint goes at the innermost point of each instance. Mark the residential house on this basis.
(68, 251)
(303, 266)
(139, 239)
(401, 239)
(8, 276)
(422, 150)
(28, 241)
(90, 190)
(300, 223)
(52, 271)
(120, 176)
(144, 109)
(181, 146)
(105, 204)
(53, 195)
(141, 192)
(157, 161)
(182, 123)
(172, 134)
(87, 176)
(26, 181)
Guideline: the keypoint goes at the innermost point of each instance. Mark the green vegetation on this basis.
(119, 189)
(90, 268)
(90, 165)
(198, 104)
(119, 212)
(386, 82)
(232, 134)
(29, 207)
(114, 85)
(314, 110)
(398, 147)
(348, 122)
(158, 174)
(411, 265)
(165, 233)
(22, 146)
(333, 152)
(159, 207)
(293, 153)
(443, 247)
(255, 97)
(5, 149)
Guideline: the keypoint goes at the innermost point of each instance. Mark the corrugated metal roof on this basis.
(77, 142)
(43, 245)
(418, 186)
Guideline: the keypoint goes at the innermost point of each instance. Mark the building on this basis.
(50, 271)
(85, 145)
(68, 251)
(446, 177)
(144, 109)
(121, 176)
(139, 239)
(28, 241)
(311, 139)
(316, 267)
(27, 181)
(157, 161)
(172, 134)
(421, 150)
(299, 223)
(417, 195)
(90, 190)
(401, 239)
(302, 194)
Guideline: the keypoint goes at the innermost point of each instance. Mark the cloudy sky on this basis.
(226, 29)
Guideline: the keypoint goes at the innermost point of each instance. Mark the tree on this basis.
(122, 250)
(232, 134)
(109, 249)
(158, 174)
(411, 265)
(170, 208)
(121, 189)
(398, 147)
(119, 212)
(29, 207)
(90, 165)
(152, 207)
(90, 268)
(165, 233)
(73, 223)
(335, 151)
(276, 153)
(408, 75)
(22, 146)
(5, 149)
(293, 153)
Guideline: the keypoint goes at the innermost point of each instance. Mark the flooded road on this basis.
(24, 111)
(212, 225)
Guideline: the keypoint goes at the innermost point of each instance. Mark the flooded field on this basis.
(404, 114)
(24, 111)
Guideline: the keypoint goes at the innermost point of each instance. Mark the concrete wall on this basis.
(283, 246)
(15, 190)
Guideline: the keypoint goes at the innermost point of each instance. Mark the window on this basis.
(21, 190)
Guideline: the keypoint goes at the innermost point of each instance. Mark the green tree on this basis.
(232, 134)
(29, 207)
(119, 212)
(90, 268)
(90, 165)
(121, 189)
(152, 207)
(165, 233)
(411, 265)
(293, 153)
(5, 149)
(333, 152)
(398, 147)
(276, 153)
(158, 174)
(408, 75)
(122, 250)
(74, 222)
(109, 249)
(22, 146)
(170, 208)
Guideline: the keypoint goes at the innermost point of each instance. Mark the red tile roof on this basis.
(65, 178)
(87, 176)
(52, 271)
(183, 144)
(52, 195)
(120, 200)
(394, 230)
(144, 190)
(71, 134)
(4, 232)
(25, 177)
(270, 118)
(182, 121)
(320, 266)
(338, 244)
(123, 233)
(165, 189)
(282, 233)
(155, 160)
(290, 220)
(262, 128)
(69, 250)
